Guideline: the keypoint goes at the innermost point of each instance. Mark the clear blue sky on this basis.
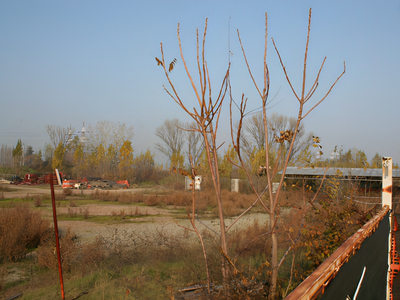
(68, 62)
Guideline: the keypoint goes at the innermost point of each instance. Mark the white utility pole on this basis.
(387, 181)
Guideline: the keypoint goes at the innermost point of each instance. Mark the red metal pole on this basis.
(53, 202)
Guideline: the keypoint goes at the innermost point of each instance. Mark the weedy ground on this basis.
(128, 245)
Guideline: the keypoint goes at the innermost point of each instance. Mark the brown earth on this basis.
(140, 224)
(150, 222)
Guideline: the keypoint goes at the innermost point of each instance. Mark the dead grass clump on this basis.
(234, 203)
(92, 255)
(69, 248)
(251, 250)
(178, 186)
(137, 211)
(201, 206)
(138, 198)
(95, 194)
(164, 259)
(105, 195)
(67, 192)
(250, 241)
(152, 200)
(183, 198)
(37, 200)
(20, 229)
(294, 197)
(208, 197)
(4, 188)
(204, 199)
(131, 197)
(125, 198)
(71, 212)
(85, 212)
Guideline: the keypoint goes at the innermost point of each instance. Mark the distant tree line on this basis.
(106, 151)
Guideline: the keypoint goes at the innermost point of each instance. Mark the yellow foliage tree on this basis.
(177, 160)
(78, 161)
(125, 159)
(58, 157)
(225, 166)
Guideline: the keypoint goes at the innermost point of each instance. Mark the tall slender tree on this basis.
(206, 117)
(17, 154)
(58, 158)
(288, 136)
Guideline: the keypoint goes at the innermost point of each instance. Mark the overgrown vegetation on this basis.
(161, 264)
(21, 229)
(303, 226)
(232, 202)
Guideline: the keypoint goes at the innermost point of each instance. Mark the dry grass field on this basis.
(138, 234)
(137, 244)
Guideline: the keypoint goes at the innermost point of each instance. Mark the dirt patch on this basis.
(152, 227)
(150, 222)
(19, 191)
(13, 274)
(113, 210)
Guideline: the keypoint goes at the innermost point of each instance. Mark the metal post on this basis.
(387, 200)
(387, 181)
(53, 201)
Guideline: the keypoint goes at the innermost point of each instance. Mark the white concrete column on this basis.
(387, 181)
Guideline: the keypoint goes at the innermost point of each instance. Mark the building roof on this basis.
(332, 171)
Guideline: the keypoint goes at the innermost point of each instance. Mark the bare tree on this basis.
(109, 133)
(253, 134)
(206, 116)
(6, 156)
(194, 140)
(173, 139)
(48, 154)
(254, 130)
(58, 134)
(289, 136)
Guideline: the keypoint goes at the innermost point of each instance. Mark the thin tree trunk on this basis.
(274, 262)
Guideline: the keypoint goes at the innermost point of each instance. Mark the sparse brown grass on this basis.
(128, 249)
(37, 200)
(4, 188)
(67, 192)
(177, 260)
(233, 203)
(85, 212)
(70, 252)
(249, 241)
(20, 229)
